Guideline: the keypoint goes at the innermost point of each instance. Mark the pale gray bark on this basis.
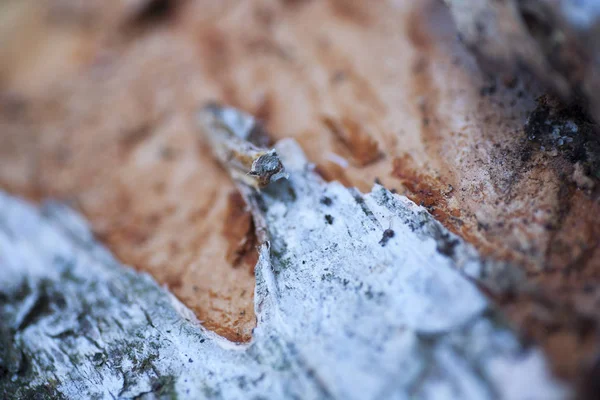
(345, 310)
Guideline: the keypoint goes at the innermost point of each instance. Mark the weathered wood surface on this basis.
(344, 310)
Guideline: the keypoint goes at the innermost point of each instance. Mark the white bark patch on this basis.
(341, 312)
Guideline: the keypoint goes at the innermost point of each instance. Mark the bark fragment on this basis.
(332, 305)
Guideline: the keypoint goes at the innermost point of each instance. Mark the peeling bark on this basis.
(341, 313)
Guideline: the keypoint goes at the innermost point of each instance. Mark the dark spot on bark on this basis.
(387, 235)
(329, 219)
(566, 129)
(488, 89)
(155, 11)
(98, 359)
(446, 245)
(326, 201)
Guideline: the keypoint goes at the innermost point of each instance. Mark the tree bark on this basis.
(357, 296)
(98, 103)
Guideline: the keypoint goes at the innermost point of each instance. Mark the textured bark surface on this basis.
(555, 39)
(345, 310)
(96, 109)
